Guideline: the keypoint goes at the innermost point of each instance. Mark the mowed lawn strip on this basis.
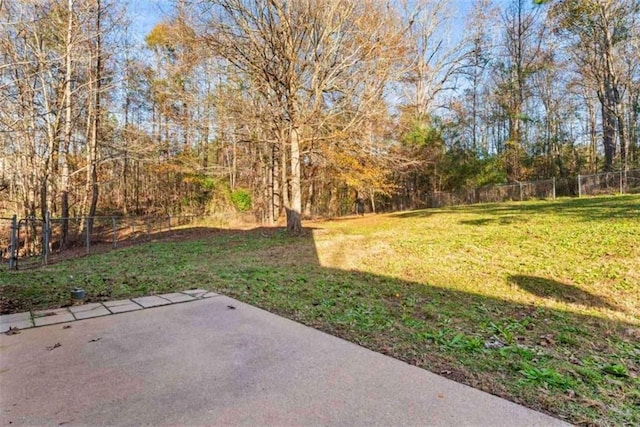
(538, 302)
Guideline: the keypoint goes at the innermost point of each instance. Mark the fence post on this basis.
(621, 185)
(46, 233)
(520, 183)
(13, 243)
(554, 188)
(88, 235)
(169, 222)
(579, 187)
(115, 232)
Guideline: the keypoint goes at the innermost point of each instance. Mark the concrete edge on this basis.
(28, 319)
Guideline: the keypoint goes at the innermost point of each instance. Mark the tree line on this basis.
(296, 109)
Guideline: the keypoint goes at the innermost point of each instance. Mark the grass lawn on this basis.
(538, 302)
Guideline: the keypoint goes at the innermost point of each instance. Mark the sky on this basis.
(145, 14)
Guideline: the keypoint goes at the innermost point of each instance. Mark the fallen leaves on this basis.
(547, 340)
(493, 343)
(53, 347)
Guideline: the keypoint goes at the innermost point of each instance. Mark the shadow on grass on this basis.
(439, 329)
(583, 209)
(548, 288)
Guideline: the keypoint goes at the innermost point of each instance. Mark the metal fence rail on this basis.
(609, 183)
(619, 182)
(31, 241)
(545, 189)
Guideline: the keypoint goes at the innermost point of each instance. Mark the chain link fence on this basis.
(31, 242)
(619, 182)
(609, 183)
(545, 189)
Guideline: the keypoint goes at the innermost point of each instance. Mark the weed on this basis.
(546, 377)
(412, 322)
(441, 337)
(507, 330)
(520, 351)
(366, 318)
(616, 369)
(447, 339)
(591, 375)
(567, 339)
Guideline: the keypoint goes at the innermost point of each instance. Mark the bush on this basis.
(241, 199)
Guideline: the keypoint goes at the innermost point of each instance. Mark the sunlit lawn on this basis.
(538, 301)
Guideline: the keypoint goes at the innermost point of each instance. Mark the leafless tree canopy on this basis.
(295, 109)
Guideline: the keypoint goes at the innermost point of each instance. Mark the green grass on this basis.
(538, 302)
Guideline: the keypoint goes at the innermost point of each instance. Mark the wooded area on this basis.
(300, 108)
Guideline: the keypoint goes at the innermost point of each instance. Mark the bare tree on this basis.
(319, 65)
(523, 37)
(432, 58)
(597, 30)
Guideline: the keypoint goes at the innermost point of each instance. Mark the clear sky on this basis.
(145, 14)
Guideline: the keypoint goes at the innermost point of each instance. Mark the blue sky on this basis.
(145, 14)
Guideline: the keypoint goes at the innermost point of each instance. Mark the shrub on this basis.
(241, 199)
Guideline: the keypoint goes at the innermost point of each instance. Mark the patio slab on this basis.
(88, 311)
(52, 317)
(151, 301)
(15, 321)
(17, 317)
(25, 324)
(196, 293)
(177, 297)
(121, 306)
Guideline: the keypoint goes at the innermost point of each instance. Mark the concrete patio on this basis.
(216, 361)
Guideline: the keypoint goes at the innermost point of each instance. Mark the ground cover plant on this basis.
(538, 302)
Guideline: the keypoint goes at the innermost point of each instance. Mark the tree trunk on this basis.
(593, 136)
(634, 128)
(294, 224)
(274, 208)
(309, 201)
(284, 184)
(608, 134)
(623, 140)
(234, 163)
(125, 183)
(92, 149)
(64, 163)
(204, 144)
(372, 197)
(136, 187)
